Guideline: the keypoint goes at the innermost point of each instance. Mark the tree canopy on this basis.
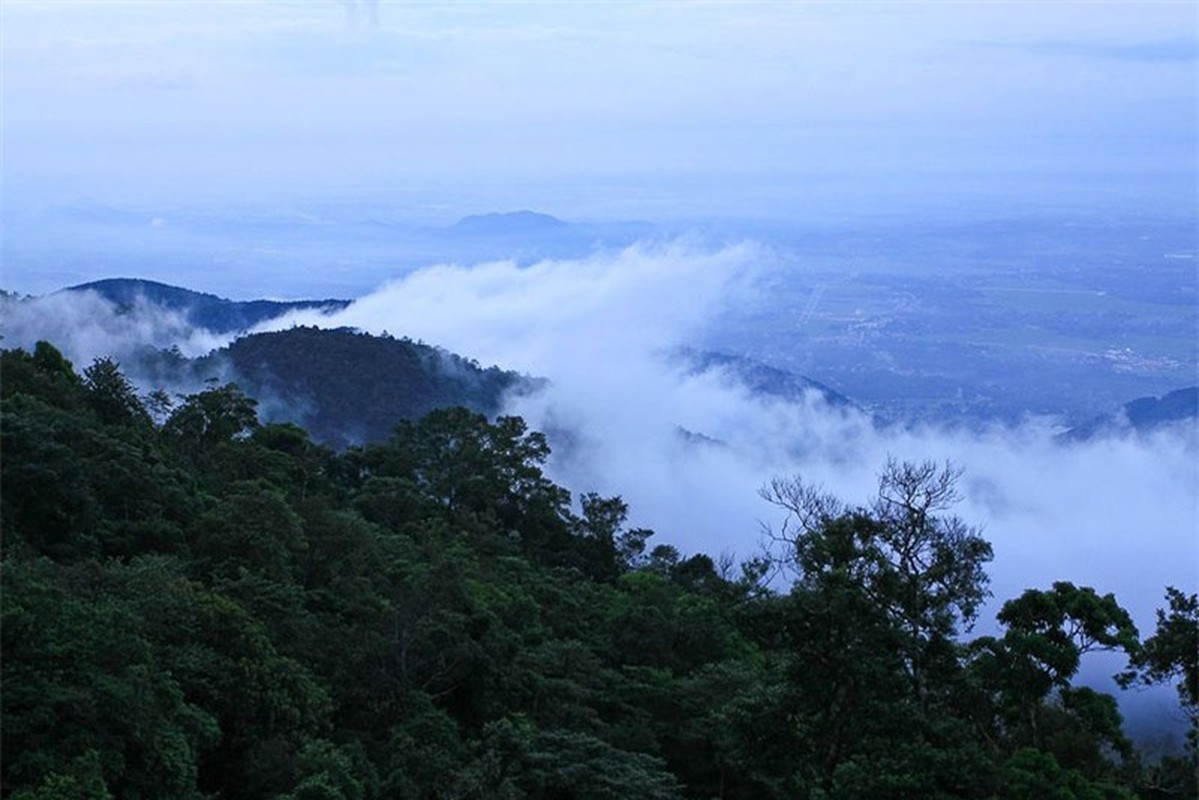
(199, 605)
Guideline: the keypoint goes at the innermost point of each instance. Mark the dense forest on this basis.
(346, 387)
(197, 605)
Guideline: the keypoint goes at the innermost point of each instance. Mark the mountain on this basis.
(348, 387)
(513, 222)
(208, 311)
(1142, 415)
(760, 379)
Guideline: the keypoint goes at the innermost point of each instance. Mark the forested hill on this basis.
(202, 310)
(348, 387)
(209, 607)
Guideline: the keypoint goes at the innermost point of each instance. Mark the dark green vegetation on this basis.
(347, 387)
(344, 387)
(212, 607)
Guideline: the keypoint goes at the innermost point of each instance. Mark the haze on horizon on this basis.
(673, 110)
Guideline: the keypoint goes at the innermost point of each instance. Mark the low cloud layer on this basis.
(1117, 513)
(85, 326)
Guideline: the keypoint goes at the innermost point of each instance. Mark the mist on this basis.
(1117, 513)
(84, 326)
(954, 214)
(689, 450)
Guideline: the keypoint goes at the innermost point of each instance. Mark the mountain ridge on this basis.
(209, 311)
(349, 387)
(1142, 415)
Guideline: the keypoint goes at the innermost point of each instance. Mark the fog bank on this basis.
(84, 326)
(1116, 513)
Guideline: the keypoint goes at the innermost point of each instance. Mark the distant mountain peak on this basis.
(129, 289)
(508, 222)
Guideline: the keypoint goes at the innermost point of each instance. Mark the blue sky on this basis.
(613, 109)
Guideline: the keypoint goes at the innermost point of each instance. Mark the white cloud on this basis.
(1118, 514)
(84, 326)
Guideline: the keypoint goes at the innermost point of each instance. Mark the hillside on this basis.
(1143, 415)
(345, 387)
(348, 387)
(217, 314)
(209, 607)
(761, 379)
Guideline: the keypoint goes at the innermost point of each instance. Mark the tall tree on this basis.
(871, 622)
(923, 567)
(113, 396)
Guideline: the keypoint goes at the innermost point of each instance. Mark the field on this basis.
(984, 321)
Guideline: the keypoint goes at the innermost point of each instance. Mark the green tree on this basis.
(1025, 677)
(252, 528)
(1172, 654)
(472, 474)
(45, 374)
(614, 549)
(869, 631)
(924, 569)
(211, 417)
(112, 396)
(87, 701)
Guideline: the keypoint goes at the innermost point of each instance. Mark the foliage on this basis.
(349, 387)
(196, 604)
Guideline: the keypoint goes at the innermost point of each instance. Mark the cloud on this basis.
(559, 317)
(1115, 513)
(84, 326)
(689, 451)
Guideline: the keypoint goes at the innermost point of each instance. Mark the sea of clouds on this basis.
(1117, 513)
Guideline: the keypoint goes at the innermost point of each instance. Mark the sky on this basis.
(596, 110)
